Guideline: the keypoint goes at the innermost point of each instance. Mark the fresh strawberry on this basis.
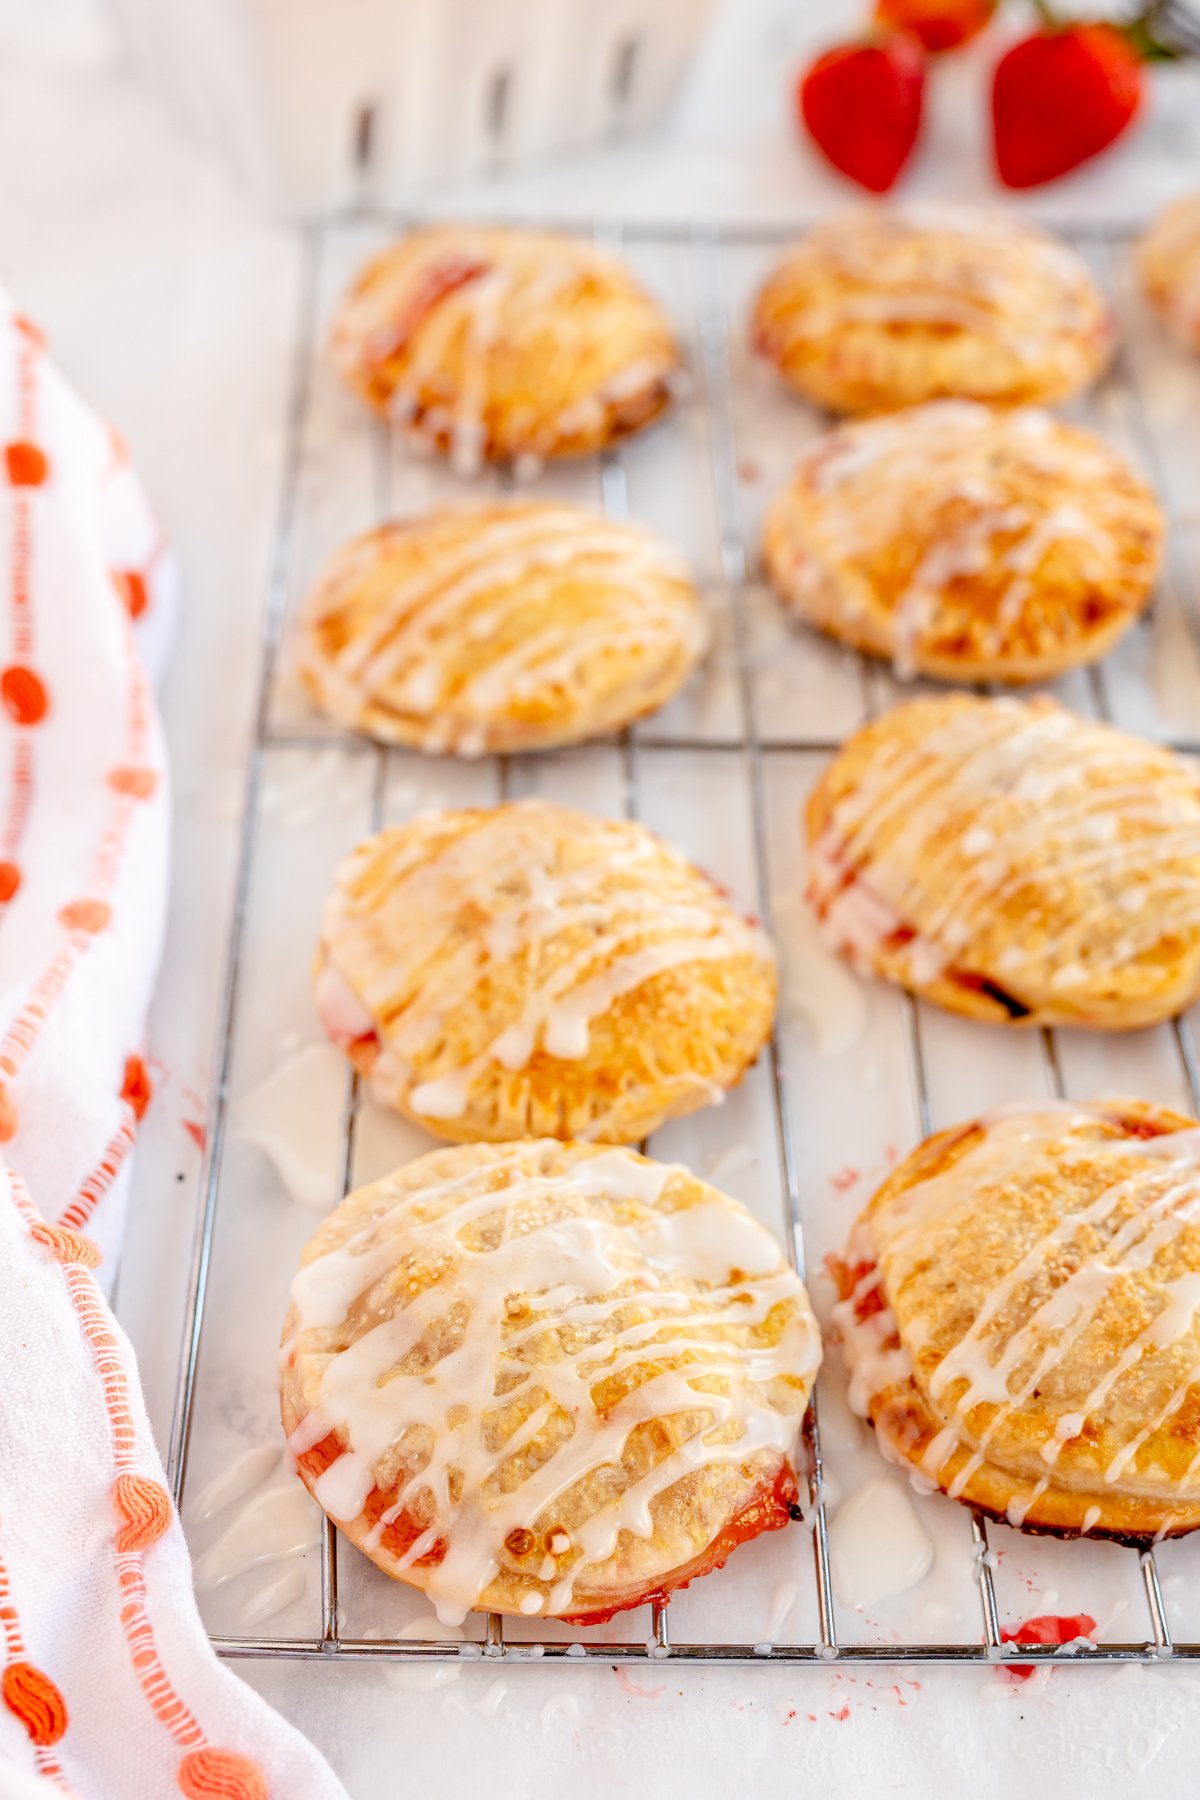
(1059, 97)
(861, 104)
(936, 24)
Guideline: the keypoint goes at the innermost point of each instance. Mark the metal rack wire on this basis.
(705, 247)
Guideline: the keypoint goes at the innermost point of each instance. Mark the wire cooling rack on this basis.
(727, 764)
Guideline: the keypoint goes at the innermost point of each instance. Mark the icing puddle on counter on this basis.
(273, 1525)
(295, 1116)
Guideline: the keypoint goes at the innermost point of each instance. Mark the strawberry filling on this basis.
(346, 1020)
(1047, 1628)
(848, 1278)
(445, 278)
(769, 1508)
(897, 935)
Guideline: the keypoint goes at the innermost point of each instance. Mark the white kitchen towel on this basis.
(108, 1687)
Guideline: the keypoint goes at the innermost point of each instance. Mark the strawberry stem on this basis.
(1047, 15)
(1162, 31)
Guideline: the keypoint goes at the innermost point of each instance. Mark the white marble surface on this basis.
(172, 305)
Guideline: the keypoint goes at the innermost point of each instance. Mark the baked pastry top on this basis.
(1169, 261)
(875, 310)
(546, 1379)
(966, 542)
(528, 970)
(502, 345)
(1012, 861)
(499, 627)
(1019, 1313)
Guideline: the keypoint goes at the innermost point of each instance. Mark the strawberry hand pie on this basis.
(509, 346)
(546, 1379)
(877, 310)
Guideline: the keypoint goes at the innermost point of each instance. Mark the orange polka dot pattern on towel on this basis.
(33, 1698)
(26, 464)
(132, 588)
(83, 851)
(138, 783)
(144, 1507)
(66, 1246)
(26, 1692)
(144, 1515)
(24, 694)
(221, 1775)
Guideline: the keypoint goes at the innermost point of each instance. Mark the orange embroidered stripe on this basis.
(106, 1357)
(101, 1179)
(22, 1033)
(21, 789)
(22, 1202)
(29, 1694)
(166, 1704)
(155, 1683)
(77, 916)
(141, 1504)
(20, 794)
(22, 511)
(8, 1618)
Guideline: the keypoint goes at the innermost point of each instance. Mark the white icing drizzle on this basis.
(877, 1545)
(816, 985)
(295, 1117)
(583, 1245)
(296, 1114)
(421, 1678)
(278, 1592)
(276, 1524)
(998, 1365)
(1002, 796)
(541, 881)
(408, 649)
(975, 490)
(237, 1479)
(782, 1601)
(980, 272)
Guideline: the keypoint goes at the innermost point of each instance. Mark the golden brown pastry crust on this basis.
(1019, 1311)
(499, 627)
(876, 310)
(546, 1379)
(1169, 264)
(966, 543)
(1013, 862)
(531, 970)
(505, 345)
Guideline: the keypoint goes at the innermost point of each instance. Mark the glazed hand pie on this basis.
(1019, 1317)
(1169, 261)
(546, 1379)
(1013, 862)
(505, 345)
(876, 310)
(966, 543)
(528, 970)
(500, 628)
